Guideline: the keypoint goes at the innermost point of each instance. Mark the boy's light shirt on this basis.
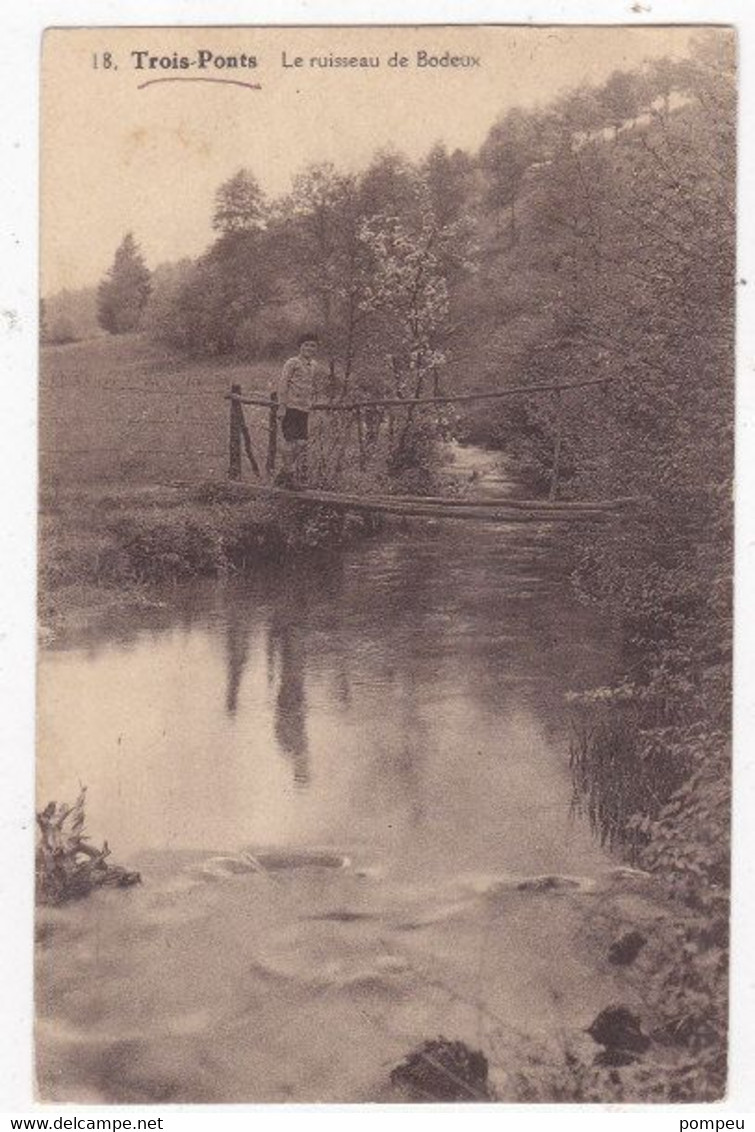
(297, 383)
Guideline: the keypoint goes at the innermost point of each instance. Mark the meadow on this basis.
(127, 410)
(134, 477)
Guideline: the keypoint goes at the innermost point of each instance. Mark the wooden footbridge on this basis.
(490, 509)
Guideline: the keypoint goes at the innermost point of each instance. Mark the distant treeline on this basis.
(69, 316)
(406, 268)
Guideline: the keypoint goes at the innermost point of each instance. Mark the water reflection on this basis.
(287, 662)
(237, 636)
(407, 696)
(404, 706)
(285, 631)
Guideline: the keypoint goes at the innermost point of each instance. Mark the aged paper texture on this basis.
(385, 450)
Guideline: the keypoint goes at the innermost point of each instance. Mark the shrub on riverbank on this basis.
(67, 866)
(123, 540)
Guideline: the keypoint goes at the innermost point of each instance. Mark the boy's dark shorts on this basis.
(295, 425)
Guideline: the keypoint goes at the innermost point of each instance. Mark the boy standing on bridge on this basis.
(296, 393)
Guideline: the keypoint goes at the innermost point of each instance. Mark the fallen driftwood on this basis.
(67, 866)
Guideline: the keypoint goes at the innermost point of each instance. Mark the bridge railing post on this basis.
(234, 435)
(555, 469)
(272, 435)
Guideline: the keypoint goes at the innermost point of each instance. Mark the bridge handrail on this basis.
(409, 402)
(239, 432)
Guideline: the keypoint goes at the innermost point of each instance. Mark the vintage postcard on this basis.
(385, 564)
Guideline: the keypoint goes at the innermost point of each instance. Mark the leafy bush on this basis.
(61, 332)
(272, 332)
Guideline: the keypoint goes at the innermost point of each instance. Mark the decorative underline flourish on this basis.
(199, 79)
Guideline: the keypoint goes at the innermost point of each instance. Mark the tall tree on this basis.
(123, 293)
(659, 81)
(387, 185)
(620, 98)
(323, 215)
(575, 116)
(208, 303)
(408, 290)
(318, 210)
(449, 178)
(511, 147)
(239, 205)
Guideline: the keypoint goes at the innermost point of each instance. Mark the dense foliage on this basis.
(630, 241)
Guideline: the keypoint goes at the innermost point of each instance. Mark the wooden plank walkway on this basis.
(488, 509)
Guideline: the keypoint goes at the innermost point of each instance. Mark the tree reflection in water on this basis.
(286, 655)
(287, 658)
(305, 600)
(237, 636)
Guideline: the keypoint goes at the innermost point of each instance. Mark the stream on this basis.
(341, 781)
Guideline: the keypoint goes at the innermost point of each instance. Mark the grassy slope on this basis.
(134, 461)
(129, 410)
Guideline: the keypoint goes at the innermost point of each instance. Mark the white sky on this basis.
(117, 158)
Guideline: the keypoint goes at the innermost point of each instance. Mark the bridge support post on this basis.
(234, 435)
(272, 435)
(553, 493)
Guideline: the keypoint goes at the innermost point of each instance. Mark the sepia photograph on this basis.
(385, 558)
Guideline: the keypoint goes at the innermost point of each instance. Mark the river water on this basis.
(333, 777)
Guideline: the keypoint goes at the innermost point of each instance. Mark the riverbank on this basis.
(105, 548)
